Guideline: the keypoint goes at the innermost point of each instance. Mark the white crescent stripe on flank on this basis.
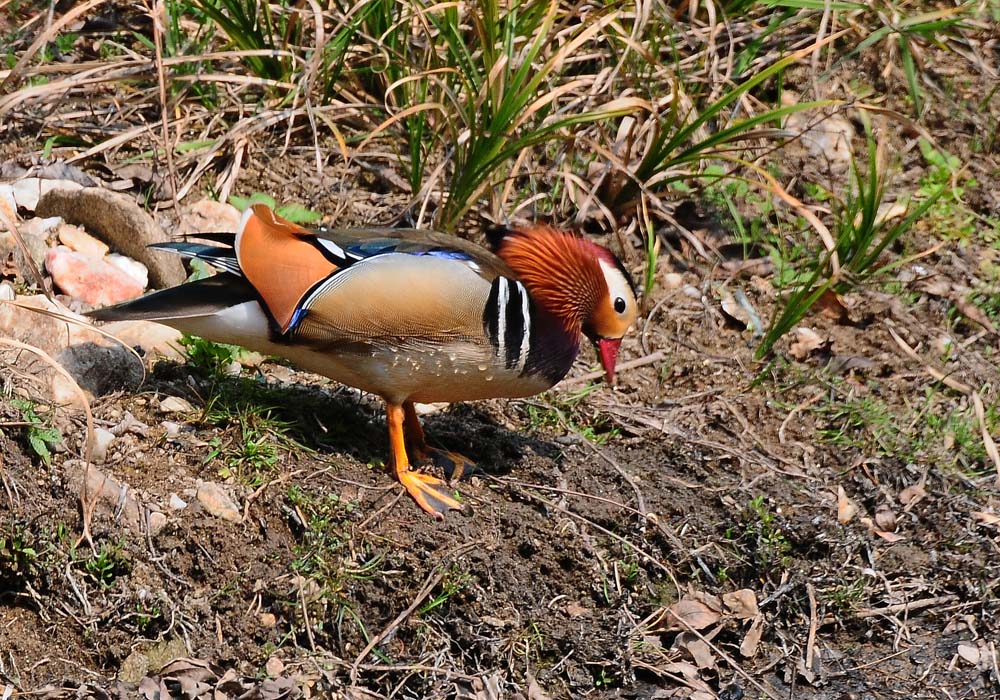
(503, 298)
(526, 334)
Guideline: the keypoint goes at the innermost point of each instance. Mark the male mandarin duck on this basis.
(412, 316)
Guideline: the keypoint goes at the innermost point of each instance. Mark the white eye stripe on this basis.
(618, 286)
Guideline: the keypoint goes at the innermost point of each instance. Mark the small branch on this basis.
(623, 367)
(906, 607)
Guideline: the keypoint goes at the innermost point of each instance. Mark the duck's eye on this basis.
(620, 305)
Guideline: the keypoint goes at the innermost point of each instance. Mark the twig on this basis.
(650, 517)
(604, 531)
(9, 219)
(802, 406)
(86, 504)
(763, 687)
(623, 367)
(813, 624)
(906, 607)
(934, 372)
(158, 13)
(639, 500)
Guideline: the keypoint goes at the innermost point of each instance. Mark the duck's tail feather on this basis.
(202, 297)
(220, 257)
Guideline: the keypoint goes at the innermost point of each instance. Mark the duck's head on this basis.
(582, 284)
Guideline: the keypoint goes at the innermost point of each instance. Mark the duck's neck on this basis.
(554, 346)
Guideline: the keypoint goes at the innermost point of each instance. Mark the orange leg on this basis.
(455, 466)
(429, 492)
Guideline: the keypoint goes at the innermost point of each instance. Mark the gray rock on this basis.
(121, 223)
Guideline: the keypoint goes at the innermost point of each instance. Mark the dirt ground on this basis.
(822, 525)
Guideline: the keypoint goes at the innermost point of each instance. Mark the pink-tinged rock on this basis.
(209, 215)
(133, 268)
(81, 241)
(91, 280)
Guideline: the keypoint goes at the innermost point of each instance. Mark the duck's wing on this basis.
(327, 286)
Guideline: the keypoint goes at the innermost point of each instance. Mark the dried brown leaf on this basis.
(846, 508)
(697, 648)
(885, 518)
(986, 518)
(806, 342)
(742, 603)
(912, 494)
(969, 652)
(832, 306)
(689, 613)
(890, 537)
(751, 640)
(974, 313)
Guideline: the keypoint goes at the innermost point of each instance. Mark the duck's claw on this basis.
(454, 465)
(432, 494)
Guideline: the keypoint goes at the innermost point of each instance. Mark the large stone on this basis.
(92, 280)
(98, 363)
(121, 223)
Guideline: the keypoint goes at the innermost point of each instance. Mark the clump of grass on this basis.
(216, 359)
(327, 556)
(453, 582)
(256, 26)
(106, 564)
(568, 411)
(672, 144)
(762, 537)
(498, 92)
(861, 234)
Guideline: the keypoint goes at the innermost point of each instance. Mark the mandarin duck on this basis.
(409, 315)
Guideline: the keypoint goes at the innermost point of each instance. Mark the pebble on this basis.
(177, 503)
(673, 280)
(91, 280)
(34, 233)
(216, 501)
(40, 226)
(7, 195)
(426, 409)
(274, 667)
(209, 215)
(175, 404)
(79, 240)
(7, 291)
(27, 191)
(102, 441)
(692, 291)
